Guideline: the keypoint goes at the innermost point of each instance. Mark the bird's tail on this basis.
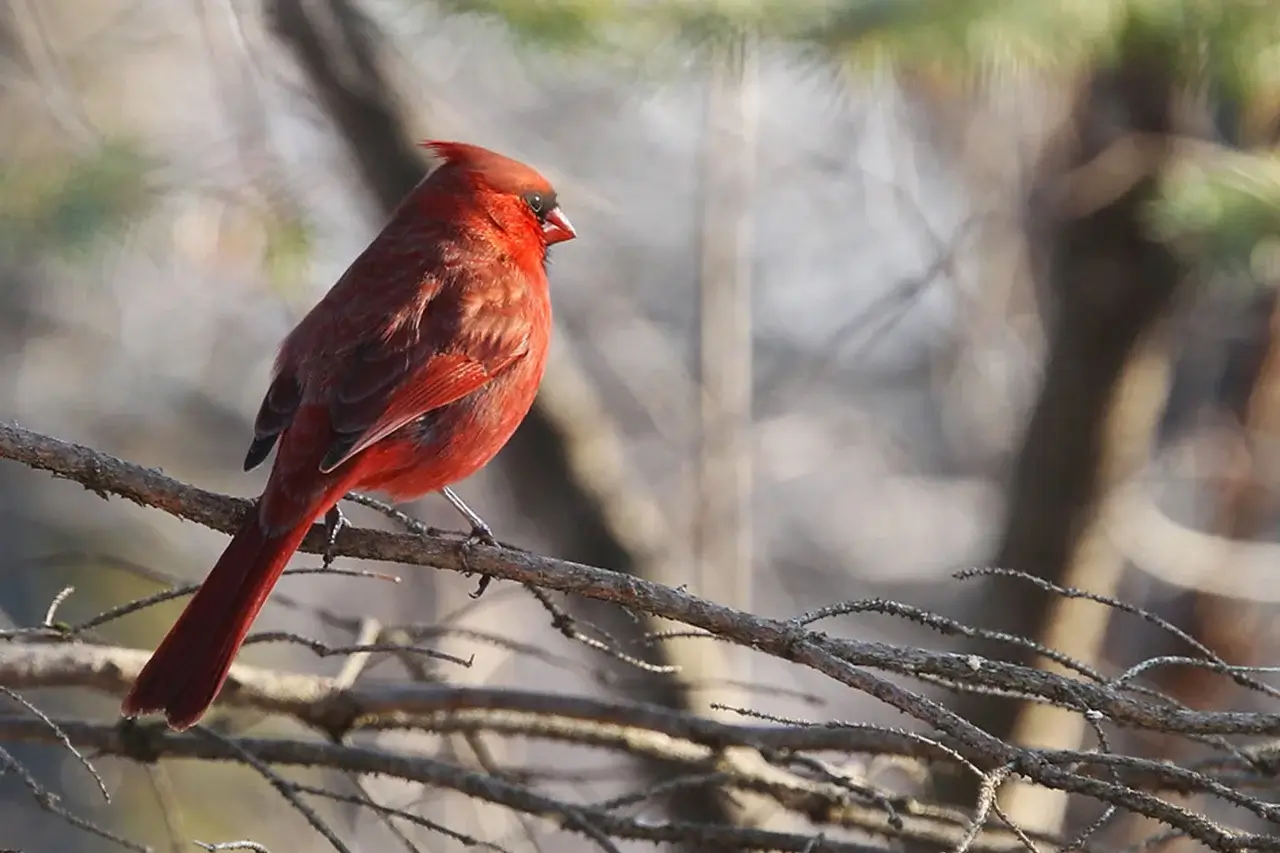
(187, 670)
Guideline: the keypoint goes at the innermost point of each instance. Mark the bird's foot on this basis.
(480, 535)
(334, 521)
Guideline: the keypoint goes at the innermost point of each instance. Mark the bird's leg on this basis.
(480, 533)
(334, 521)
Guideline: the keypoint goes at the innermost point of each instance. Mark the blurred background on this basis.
(865, 292)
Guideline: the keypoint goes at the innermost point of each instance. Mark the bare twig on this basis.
(62, 739)
(49, 801)
(147, 743)
(275, 780)
(170, 809)
(50, 658)
(106, 476)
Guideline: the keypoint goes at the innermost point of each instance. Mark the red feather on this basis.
(410, 374)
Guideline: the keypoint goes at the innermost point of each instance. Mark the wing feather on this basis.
(444, 379)
(279, 405)
(393, 380)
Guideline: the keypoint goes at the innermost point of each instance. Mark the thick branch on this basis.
(326, 705)
(657, 732)
(150, 744)
(846, 661)
(786, 640)
(673, 737)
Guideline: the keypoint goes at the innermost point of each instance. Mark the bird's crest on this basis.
(502, 173)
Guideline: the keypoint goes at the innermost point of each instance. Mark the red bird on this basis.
(410, 374)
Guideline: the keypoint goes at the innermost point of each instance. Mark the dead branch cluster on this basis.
(820, 770)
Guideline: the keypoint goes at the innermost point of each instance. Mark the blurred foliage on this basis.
(1241, 36)
(1225, 209)
(63, 204)
(628, 30)
(1221, 205)
(287, 250)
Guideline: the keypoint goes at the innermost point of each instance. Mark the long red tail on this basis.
(188, 668)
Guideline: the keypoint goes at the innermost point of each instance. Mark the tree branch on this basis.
(846, 661)
(674, 737)
(105, 475)
(649, 731)
(151, 744)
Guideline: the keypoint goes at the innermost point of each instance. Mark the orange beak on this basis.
(557, 228)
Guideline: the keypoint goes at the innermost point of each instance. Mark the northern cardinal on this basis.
(410, 374)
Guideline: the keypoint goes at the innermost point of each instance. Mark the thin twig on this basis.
(282, 785)
(849, 662)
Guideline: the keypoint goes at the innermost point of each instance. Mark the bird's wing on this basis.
(395, 377)
(389, 383)
(279, 405)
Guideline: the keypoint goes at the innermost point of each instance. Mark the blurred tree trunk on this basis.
(339, 49)
(723, 529)
(1234, 628)
(1248, 392)
(1105, 287)
(1075, 627)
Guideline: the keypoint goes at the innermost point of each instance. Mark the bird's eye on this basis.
(536, 203)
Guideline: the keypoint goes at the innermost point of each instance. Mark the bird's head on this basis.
(520, 192)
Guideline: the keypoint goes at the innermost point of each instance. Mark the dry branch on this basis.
(673, 737)
(106, 475)
(151, 743)
(35, 659)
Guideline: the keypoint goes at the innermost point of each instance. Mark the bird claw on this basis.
(480, 535)
(334, 521)
(481, 586)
